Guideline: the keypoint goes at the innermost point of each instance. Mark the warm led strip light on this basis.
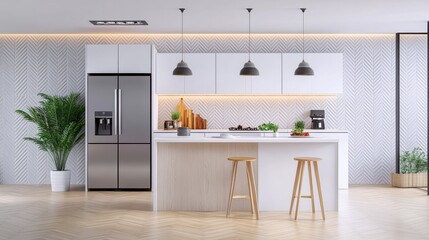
(119, 22)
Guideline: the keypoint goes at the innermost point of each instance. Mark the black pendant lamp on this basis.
(304, 68)
(249, 68)
(182, 68)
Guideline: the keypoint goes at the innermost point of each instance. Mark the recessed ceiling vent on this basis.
(119, 22)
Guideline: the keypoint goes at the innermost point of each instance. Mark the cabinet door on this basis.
(134, 165)
(228, 79)
(101, 58)
(203, 79)
(134, 109)
(135, 59)
(166, 82)
(102, 165)
(328, 74)
(269, 80)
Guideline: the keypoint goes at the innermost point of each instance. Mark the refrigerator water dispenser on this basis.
(103, 123)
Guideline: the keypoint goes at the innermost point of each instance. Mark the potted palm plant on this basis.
(413, 168)
(60, 122)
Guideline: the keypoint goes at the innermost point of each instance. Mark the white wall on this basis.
(54, 64)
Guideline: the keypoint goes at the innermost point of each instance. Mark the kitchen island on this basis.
(193, 173)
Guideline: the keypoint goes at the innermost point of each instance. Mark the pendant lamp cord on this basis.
(182, 10)
(303, 27)
(249, 10)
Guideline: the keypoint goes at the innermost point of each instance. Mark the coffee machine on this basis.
(317, 119)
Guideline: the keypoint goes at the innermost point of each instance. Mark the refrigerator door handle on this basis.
(115, 126)
(120, 112)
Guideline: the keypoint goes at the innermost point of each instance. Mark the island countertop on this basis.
(246, 139)
(246, 131)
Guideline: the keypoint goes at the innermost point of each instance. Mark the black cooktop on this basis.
(241, 128)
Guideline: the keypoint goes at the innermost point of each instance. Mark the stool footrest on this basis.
(303, 197)
(240, 196)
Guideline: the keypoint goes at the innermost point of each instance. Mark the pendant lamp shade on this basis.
(182, 68)
(304, 68)
(249, 68)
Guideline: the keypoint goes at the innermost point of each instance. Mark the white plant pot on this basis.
(60, 181)
(275, 134)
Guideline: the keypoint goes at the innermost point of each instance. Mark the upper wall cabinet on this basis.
(203, 76)
(101, 58)
(229, 81)
(220, 74)
(135, 59)
(269, 80)
(118, 59)
(328, 74)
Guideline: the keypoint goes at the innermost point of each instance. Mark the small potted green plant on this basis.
(175, 116)
(298, 129)
(269, 127)
(413, 168)
(60, 122)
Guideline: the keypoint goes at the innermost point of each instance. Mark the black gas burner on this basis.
(241, 128)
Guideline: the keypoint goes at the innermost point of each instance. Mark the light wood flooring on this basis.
(366, 212)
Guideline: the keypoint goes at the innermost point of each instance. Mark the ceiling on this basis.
(214, 16)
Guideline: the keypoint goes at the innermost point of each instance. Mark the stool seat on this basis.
(247, 159)
(309, 159)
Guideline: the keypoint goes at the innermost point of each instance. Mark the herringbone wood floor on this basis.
(367, 212)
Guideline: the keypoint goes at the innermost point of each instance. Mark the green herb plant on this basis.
(414, 161)
(60, 123)
(175, 116)
(268, 127)
(299, 127)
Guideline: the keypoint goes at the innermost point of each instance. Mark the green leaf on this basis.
(413, 162)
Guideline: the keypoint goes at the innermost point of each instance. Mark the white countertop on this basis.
(226, 130)
(191, 139)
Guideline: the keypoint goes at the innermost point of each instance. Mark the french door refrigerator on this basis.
(119, 131)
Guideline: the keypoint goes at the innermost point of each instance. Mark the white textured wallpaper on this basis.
(54, 64)
(413, 92)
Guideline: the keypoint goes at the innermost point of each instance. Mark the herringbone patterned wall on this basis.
(55, 64)
(413, 92)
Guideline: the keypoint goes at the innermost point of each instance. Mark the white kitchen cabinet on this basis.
(166, 82)
(228, 79)
(328, 74)
(269, 80)
(118, 59)
(203, 79)
(101, 58)
(135, 59)
(203, 76)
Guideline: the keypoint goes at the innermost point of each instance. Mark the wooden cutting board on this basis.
(181, 107)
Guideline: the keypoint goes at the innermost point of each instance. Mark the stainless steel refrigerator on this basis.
(119, 131)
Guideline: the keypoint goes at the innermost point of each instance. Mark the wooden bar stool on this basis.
(298, 180)
(250, 183)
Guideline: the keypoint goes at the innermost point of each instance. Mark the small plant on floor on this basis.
(268, 127)
(414, 161)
